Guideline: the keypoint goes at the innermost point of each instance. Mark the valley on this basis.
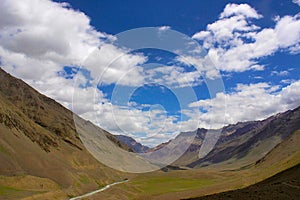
(149, 100)
(43, 159)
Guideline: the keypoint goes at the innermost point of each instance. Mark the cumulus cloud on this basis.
(290, 25)
(43, 29)
(235, 43)
(239, 9)
(110, 64)
(37, 34)
(249, 102)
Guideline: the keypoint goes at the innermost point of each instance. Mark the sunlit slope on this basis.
(275, 176)
(241, 144)
(38, 139)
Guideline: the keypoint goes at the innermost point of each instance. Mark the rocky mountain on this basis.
(132, 143)
(252, 141)
(284, 158)
(40, 144)
(239, 144)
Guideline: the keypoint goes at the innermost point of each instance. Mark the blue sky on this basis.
(69, 51)
(187, 17)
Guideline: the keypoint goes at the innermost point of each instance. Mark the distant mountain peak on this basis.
(136, 146)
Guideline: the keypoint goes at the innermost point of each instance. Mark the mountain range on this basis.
(132, 143)
(43, 153)
(239, 144)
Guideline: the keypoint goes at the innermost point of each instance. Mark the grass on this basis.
(14, 193)
(4, 190)
(3, 150)
(100, 185)
(160, 185)
(84, 179)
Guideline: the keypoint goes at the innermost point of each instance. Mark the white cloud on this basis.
(287, 81)
(39, 37)
(290, 95)
(249, 102)
(288, 25)
(201, 35)
(110, 64)
(235, 43)
(239, 9)
(27, 68)
(297, 2)
(43, 29)
(205, 67)
(164, 28)
(280, 73)
(172, 77)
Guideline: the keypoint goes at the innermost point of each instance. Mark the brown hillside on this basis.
(38, 138)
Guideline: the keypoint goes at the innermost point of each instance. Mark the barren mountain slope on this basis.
(38, 139)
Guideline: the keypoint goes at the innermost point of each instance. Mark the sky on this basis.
(201, 64)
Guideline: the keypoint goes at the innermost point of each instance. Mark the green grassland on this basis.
(14, 193)
(160, 185)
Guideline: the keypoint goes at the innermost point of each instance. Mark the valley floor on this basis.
(285, 185)
(177, 184)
